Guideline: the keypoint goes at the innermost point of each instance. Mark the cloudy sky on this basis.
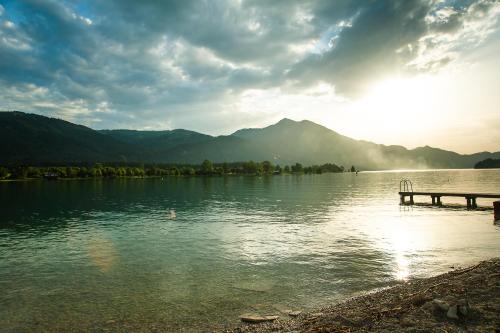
(396, 72)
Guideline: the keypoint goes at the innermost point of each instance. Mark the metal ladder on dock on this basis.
(406, 186)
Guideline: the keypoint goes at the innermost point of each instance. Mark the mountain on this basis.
(162, 139)
(157, 146)
(34, 139)
(311, 143)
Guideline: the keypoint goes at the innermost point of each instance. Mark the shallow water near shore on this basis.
(91, 254)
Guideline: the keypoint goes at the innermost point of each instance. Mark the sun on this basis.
(396, 106)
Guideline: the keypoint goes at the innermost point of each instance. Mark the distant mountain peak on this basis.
(286, 120)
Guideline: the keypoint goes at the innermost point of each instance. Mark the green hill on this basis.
(35, 140)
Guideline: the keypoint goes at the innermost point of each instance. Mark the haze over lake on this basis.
(106, 253)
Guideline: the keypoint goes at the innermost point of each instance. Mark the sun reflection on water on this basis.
(102, 253)
(402, 269)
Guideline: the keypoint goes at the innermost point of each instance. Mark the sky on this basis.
(403, 72)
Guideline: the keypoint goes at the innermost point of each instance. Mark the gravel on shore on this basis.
(462, 300)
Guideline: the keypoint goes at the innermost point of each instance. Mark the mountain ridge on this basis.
(35, 139)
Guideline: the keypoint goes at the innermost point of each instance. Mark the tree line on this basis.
(489, 163)
(207, 168)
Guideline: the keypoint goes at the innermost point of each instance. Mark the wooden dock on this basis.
(436, 197)
(406, 190)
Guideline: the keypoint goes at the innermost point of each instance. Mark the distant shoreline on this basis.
(207, 168)
(31, 179)
(150, 177)
(464, 299)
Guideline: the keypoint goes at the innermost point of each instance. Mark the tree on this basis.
(330, 167)
(72, 172)
(297, 168)
(207, 167)
(108, 172)
(353, 169)
(286, 169)
(83, 172)
(19, 172)
(95, 172)
(121, 172)
(278, 169)
(225, 168)
(488, 163)
(250, 167)
(139, 172)
(174, 171)
(4, 172)
(130, 172)
(32, 172)
(267, 167)
(188, 171)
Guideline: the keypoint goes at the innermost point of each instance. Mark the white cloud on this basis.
(438, 48)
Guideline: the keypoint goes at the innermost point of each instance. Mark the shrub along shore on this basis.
(462, 300)
(206, 168)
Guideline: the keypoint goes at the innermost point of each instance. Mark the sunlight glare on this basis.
(397, 106)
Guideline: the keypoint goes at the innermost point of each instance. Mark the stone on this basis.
(463, 310)
(463, 307)
(294, 313)
(252, 318)
(452, 312)
(407, 322)
(441, 305)
(429, 306)
(450, 299)
(317, 314)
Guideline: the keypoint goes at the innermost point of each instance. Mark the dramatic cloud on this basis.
(149, 64)
(397, 38)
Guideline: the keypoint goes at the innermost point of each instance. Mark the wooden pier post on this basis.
(439, 201)
(411, 200)
(496, 210)
(468, 202)
(474, 204)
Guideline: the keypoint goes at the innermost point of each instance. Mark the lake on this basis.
(106, 254)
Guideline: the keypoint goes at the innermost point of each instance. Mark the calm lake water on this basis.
(104, 254)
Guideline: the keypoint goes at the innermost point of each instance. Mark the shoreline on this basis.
(464, 299)
(30, 179)
(166, 176)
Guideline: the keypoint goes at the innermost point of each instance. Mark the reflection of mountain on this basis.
(34, 139)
